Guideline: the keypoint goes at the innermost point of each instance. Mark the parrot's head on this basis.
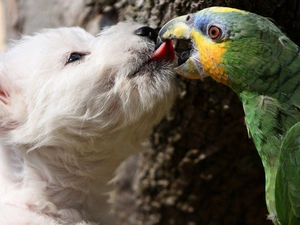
(237, 48)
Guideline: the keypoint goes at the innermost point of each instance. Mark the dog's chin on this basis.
(146, 93)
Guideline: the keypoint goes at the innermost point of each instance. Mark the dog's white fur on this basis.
(65, 127)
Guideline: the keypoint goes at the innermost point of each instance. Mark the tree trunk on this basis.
(202, 167)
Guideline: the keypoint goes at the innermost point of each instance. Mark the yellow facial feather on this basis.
(211, 56)
(226, 10)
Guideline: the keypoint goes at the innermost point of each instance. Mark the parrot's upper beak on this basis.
(178, 29)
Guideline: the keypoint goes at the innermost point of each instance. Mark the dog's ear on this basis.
(12, 108)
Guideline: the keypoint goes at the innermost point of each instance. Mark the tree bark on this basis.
(201, 167)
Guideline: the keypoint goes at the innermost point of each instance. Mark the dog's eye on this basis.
(74, 56)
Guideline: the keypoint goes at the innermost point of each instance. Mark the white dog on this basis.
(72, 107)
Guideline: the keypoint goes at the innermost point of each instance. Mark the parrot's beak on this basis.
(178, 29)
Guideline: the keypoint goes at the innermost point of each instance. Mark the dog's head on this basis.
(65, 86)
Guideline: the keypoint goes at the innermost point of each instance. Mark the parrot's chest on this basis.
(263, 119)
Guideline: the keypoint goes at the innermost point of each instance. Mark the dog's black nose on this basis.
(147, 32)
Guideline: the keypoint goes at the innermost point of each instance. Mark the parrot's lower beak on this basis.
(178, 29)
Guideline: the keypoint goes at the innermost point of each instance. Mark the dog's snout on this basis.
(147, 32)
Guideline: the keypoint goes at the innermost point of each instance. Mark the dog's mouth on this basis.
(165, 52)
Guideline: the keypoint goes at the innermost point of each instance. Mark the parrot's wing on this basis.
(288, 178)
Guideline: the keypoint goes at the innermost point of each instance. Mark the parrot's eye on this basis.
(214, 32)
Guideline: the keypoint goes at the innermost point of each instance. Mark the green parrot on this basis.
(248, 53)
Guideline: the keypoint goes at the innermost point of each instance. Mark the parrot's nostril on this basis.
(147, 32)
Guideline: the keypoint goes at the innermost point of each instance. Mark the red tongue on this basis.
(165, 52)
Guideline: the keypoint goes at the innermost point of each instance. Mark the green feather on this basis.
(263, 66)
(288, 182)
(267, 79)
